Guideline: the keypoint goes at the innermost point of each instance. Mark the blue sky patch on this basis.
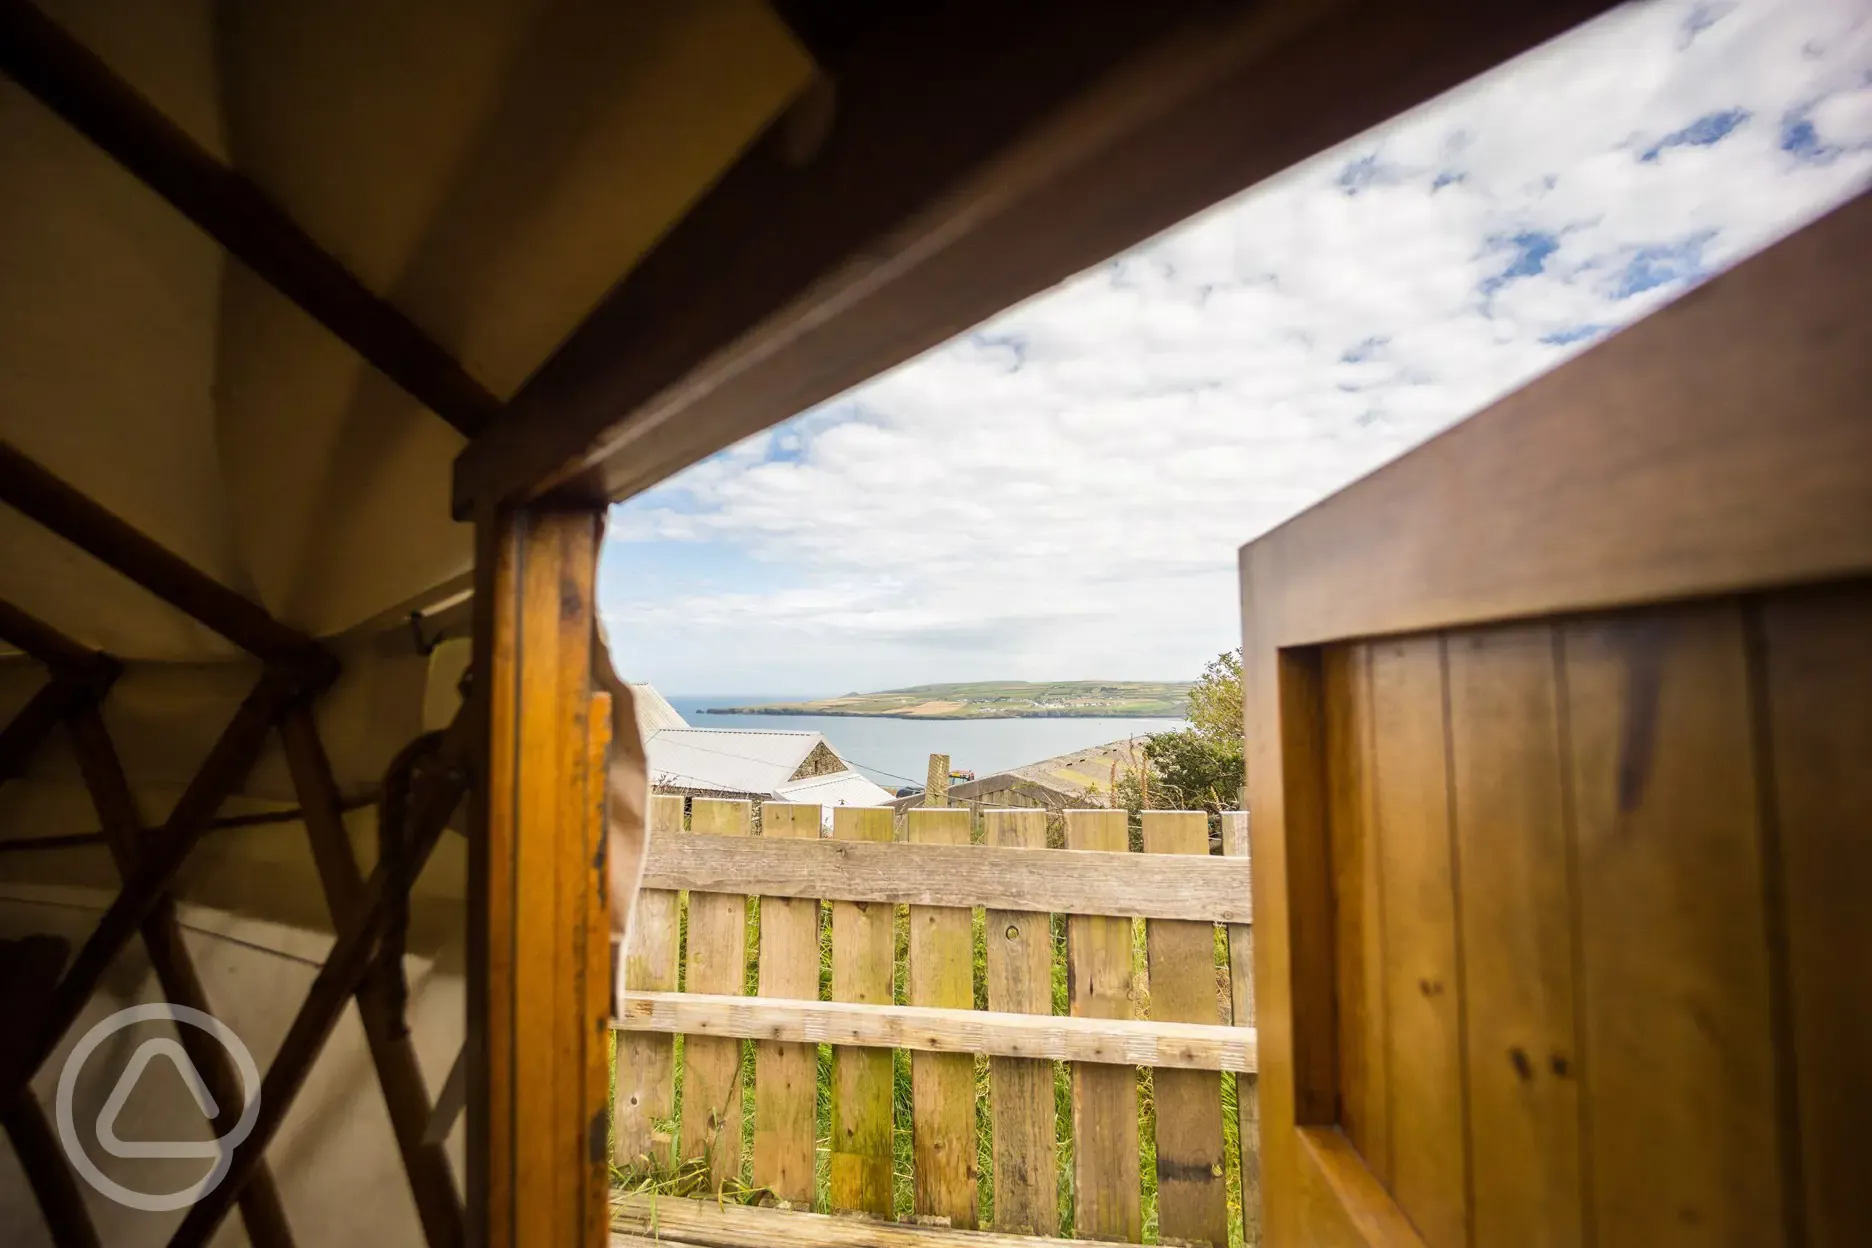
(1572, 334)
(1366, 172)
(1706, 131)
(1363, 352)
(1530, 250)
(1662, 264)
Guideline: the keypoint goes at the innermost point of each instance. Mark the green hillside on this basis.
(997, 699)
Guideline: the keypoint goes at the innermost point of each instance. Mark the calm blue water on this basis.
(896, 752)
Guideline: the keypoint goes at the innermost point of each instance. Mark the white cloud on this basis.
(1061, 492)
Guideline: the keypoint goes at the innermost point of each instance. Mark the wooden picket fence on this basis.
(869, 867)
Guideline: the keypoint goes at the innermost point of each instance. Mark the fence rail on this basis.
(924, 927)
(1068, 881)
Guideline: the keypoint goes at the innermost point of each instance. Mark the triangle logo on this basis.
(147, 1052)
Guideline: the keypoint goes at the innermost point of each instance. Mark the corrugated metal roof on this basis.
(1073, 774)
(654, 713)
(837, 788)
(728, 760)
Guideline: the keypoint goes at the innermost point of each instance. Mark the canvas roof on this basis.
(489, 170)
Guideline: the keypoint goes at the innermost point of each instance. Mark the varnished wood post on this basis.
(537, 1117)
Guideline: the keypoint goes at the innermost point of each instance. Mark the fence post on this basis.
(863, 956)
(942, 1085)
(936, 788)
(1105, 1105)
(785, 1072)
(1020, 1090)
(1192, 1191)
(711, 1113)
(646, 1069)
(1247, 1087)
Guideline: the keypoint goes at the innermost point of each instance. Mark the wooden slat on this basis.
(1344, 1202)
(942, 1085)
(981, 153)
(863, 957)
(1284, 752)
(711, 1111)
(32, 636)
(1119, 1041)
(1677, 1064)
(597, 971)
(1817, 651)
(1358, 913)
(41, 1157)
(36, 493)
(73, 82)
(1107, 1193)
(48, 707)
(994, 876)
(1020, 1090)
(393, 1051)
(1192, 1191)
(1422, 969)
(1242, 1014)
(786, 1071)
(261, 1211)
(1517, 910)
(1311, 1008)
(229, 760)
(28, 970)
(646, 1063)
(645, 1220)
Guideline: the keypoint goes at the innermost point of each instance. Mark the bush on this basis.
(1194, 768)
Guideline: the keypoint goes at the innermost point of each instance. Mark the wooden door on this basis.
(1560, 780)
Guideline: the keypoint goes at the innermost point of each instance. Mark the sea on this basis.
(895, 752)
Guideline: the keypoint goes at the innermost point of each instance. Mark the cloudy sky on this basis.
(1060, 493)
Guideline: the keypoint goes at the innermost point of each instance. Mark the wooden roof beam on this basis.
(39, 640)
(979, 154)
(37, 720)
(227, 765)
(80, 679)
(30, 489)
(76, 84)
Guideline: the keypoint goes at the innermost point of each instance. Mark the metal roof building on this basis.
(654, 712)
(781, 765)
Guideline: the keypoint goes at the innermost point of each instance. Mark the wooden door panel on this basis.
(1357, 918)
(1678, 1067)
(1559, 758)
(1428, 1171)
(1515, 861)
(1816, 654)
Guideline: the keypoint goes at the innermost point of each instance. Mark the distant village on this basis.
(782, 765)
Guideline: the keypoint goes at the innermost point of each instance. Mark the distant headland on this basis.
(997, 699)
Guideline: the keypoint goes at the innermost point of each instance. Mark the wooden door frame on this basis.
(1707, 450)
(539, 955)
